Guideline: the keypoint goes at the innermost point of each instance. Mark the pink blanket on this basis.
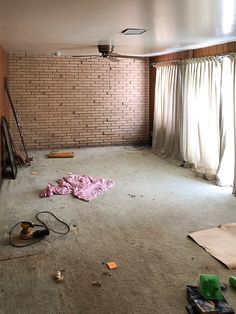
(83, 187)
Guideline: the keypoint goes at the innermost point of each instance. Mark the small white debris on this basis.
(60, 275)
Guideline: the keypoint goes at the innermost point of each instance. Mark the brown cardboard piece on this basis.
(219, 242)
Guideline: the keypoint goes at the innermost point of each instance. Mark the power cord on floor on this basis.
(43, 225)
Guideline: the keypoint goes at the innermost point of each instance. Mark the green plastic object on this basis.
(210, 287)
(232, 281)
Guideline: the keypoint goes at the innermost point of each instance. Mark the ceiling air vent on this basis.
(133, 31)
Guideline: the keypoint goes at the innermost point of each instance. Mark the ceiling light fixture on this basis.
(133, 31)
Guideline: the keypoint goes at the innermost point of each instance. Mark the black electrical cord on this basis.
(42, 226)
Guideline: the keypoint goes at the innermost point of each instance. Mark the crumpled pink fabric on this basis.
(83, 187)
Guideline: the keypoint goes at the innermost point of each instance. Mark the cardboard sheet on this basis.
(219, 242)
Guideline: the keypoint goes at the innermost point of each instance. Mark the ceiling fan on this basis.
(106, 52)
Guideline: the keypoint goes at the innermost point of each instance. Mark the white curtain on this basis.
(225, 173)
(201, 106)
(234, 115)
(167, 113)
(195, 116)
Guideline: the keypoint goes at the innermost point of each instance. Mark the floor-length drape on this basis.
(225, 173)
(201, 107)
(167, 113)
(234, 114)
(195, 116)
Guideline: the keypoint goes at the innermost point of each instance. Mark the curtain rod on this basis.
(179, 60)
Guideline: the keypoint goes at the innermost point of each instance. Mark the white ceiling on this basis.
(76, 26)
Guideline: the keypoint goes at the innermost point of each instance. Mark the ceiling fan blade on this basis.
(113, 59)
(117, 55)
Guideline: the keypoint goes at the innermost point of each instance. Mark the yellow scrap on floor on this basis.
(60, 155)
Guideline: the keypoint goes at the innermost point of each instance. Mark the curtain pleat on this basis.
(201, 104)
(225, 174)
(234, 115)
(167, 114)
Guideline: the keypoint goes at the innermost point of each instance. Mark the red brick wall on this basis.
(68, 102)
